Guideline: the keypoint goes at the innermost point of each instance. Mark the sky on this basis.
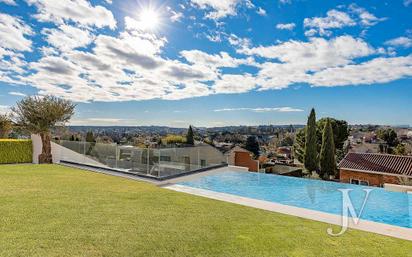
(211, 62)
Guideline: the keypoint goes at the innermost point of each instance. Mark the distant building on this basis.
(284, 151)
(239, 156)
(374, 169)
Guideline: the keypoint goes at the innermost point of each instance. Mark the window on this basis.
(359, 182)
(363, 183)
(202, 163)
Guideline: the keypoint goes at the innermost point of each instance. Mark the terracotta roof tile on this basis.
(386, 163)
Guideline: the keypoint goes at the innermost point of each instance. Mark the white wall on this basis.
(37, 145)
(397, 188)
(61, 153)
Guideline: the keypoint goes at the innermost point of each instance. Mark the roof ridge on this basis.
(382, 154)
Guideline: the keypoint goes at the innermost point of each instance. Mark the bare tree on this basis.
(39, 115)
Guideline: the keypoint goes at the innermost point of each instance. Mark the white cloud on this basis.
(286, 26)
(67, 37)
(234, 83)
(46, 51)
(80, 12)
(131, 64)
(400, 42)
(17, 94)
(378, 70)
(285, 1)
(176, 16)
(365, 18)
(126, 67)
(14, 41)
(13, 33)
(214, 38)
(101, 121)
(261, 109)
(222, 59)
(240, 43)
(334, 19)
(220, 8)
(261, 11)
(316, 54)
(407, 2)
(9, 2)
(322, 62)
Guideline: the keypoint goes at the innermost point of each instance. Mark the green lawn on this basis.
(57, 211)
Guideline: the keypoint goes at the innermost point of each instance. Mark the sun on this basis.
(149, 19)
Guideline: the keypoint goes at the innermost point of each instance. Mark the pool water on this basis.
(381, 206)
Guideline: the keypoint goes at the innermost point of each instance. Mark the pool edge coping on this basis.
(364, 225)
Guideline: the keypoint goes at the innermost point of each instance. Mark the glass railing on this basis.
(150, 162)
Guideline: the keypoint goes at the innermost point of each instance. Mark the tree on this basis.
(340, 130)
(327, 153)
(311, 144)
(6, 125)
(252, 145)
(400, 149)
(340, 136)
(91, 142)
(382, 148)
(173, 139)
(389, 136)
(39, 115)
(299, 145)
(286, 141)
(190, 136)
(89, 137)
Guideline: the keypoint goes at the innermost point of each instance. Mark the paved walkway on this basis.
(365, 225)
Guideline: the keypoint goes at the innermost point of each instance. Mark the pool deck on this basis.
(365, 225)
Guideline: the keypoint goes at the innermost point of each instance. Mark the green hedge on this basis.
(15, 151)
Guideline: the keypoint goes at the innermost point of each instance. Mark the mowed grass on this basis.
(50, 210)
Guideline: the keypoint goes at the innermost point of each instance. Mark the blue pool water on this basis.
(382, 206)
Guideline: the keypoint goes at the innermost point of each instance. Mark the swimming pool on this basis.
(382, 206)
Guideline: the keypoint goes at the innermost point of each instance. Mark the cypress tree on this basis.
(190, 136)
(327, 153)
(90, 140)
(252, 145)
(89, 137)
(311, 144)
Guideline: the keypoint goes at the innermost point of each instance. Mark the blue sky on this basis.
(211, 62)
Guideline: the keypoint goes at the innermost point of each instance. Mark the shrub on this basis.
(15, 151)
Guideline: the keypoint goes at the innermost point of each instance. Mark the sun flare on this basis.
(149, 19)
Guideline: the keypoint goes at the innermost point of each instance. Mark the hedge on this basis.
(15, 151)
